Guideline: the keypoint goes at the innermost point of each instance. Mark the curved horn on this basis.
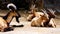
(11, 6)
(53, 13)
(44, 11)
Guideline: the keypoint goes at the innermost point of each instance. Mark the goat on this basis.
(43, 20)
(13, 13)
(39, 21)
(50, 15)
(5, 20)
(34, 13)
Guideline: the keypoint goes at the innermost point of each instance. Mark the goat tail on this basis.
(11, 6)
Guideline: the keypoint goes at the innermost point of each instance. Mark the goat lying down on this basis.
(38, 21)
(5, 20)
(43, 20)
(34, 14)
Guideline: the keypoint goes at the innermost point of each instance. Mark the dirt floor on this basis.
(27, 29)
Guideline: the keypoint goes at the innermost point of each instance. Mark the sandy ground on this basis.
(27, 29)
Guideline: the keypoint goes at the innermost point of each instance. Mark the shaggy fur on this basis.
(39, 21)
(43, 20)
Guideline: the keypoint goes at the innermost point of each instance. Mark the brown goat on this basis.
(39, 21)
(43, 20)
(5, 20)
(34, 13)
